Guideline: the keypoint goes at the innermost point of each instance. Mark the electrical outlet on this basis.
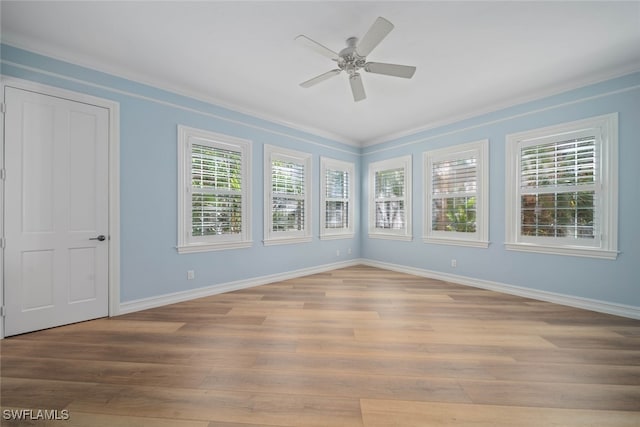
(191, 274)
(349, 251)
(338, 252)
(454, 263)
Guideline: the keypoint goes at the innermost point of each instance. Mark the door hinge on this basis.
(2, 242)
(2, 311)
(3, 108)
(3, 174)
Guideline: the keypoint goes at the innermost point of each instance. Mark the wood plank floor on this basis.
(357, 346)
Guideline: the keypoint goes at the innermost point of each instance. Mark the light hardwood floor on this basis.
(357, 346)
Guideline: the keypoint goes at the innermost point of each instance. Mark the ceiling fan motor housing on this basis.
(349, 59)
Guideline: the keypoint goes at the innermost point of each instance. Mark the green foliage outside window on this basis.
(558, 214)
(454, 214)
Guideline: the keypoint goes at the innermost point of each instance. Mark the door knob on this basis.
(100, 238)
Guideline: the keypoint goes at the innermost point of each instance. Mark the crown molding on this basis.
(164, 85)
(539, 95)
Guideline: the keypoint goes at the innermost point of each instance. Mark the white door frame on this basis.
(114, 182)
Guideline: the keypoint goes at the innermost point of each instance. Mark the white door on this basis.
(56, 210)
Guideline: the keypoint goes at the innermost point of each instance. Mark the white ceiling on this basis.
(471, 57)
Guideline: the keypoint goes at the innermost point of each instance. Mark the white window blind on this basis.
(287, 186)
(454, 195)
(558, 192)
(216, 206)
(288, 195)
(457, 194)
(390, 199)
(337, 199)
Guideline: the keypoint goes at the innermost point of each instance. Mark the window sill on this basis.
(287, 240)
(563, 250)
(207, 247)
(385, 236)
(456, 242)
(337, 236)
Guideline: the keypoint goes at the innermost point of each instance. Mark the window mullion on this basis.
(390, 199)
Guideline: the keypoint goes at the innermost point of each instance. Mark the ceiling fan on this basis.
(353, 58)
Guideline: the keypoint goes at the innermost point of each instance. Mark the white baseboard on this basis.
(568, 300)
(632, 312)
(175, 297)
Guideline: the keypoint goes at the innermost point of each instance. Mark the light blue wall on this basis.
(150, 265)
(605, 280)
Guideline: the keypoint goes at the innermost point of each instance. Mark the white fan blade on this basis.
(404, 71)
(374, 36)
(314, 45)
(322, 77)
(356, 87)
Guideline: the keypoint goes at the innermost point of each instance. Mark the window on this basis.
(213, 191)
(456, 202)
(287, 196)
(336, 199)
(562, 188)
(390, 199)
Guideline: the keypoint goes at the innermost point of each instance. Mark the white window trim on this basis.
(333, 233)
(607, 127)
(395, 163)
(286, 237)
(187, 244)
(479, 150)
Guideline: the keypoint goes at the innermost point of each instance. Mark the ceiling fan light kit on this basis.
(353, 59)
